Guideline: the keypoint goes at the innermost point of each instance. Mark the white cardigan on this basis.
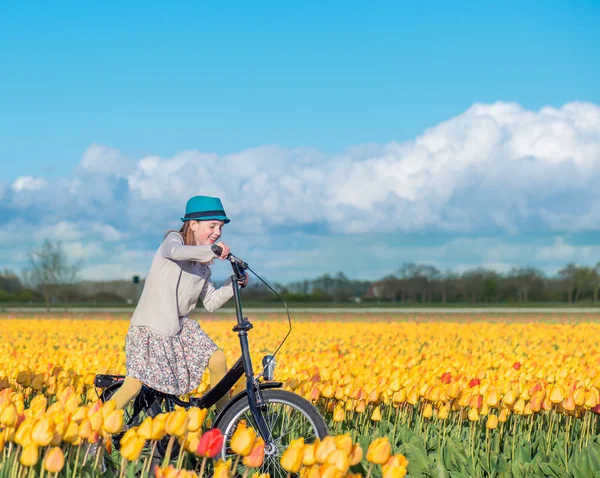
(175, 282)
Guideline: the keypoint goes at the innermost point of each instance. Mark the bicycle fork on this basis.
(255, 399)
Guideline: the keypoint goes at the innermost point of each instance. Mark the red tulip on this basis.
(210, 443)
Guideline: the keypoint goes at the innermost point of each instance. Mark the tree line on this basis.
(52, 279)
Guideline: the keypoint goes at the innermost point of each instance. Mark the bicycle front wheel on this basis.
(287, 415)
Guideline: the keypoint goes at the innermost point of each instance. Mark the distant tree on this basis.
(10, 282)
(567, 276)
(596, 280)
(50, 269)
(526, 280)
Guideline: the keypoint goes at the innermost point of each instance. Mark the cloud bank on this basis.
(494, 169)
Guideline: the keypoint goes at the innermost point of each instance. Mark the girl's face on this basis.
(206, 232)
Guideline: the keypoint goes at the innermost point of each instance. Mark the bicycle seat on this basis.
(103, 381)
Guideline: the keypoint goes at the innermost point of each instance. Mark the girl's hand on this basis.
(226, 250)
(244, 282)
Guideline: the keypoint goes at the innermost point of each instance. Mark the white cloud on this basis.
(100, 159)
(496, 168)
(28, 183)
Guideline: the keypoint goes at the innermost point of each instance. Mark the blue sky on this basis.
(89, 93)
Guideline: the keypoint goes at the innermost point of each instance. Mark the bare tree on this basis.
(50, 270)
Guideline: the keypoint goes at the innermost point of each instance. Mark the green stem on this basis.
(76, 461)
(123, 466)
(180, 457)
(169, 450)
(202, 467)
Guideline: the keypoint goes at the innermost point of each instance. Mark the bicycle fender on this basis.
(242, 395)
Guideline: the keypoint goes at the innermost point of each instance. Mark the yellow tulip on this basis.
(556, 394)
(222, 469)
(324, 448)
(343, 442)
(291, 459)
(42, 432)
(159, 427)
(329, 470)
(29, 455)
(492, 421)
(23, 433)
(243, 440)
(176, 423)
(376, 415)
(145, 429)
(309, 457)
(379, 451)
(339, 415)
(71, 433)
(8, 418)
(132, 448)
(196, 418)
(339, 459)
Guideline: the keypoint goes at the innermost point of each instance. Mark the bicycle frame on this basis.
(243, 366)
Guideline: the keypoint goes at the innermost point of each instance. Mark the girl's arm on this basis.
(174, 248)
(214, 298)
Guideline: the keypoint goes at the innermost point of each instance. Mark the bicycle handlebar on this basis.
(239, 266)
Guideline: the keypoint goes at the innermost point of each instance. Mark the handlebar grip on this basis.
(218, 250)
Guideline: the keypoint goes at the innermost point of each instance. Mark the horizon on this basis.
(340, 139)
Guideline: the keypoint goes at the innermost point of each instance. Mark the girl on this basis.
(165, 349)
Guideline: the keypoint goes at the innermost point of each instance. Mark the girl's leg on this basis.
(217, 366)
(128, 391)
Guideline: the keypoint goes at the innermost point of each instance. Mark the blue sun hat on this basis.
(204, 208)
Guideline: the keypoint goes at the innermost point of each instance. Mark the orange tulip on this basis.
(356, 454)
(257, 455)
(55, 460)
(113, 423)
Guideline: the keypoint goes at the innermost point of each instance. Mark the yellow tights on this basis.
(217, 366)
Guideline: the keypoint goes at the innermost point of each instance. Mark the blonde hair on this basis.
(186, 234)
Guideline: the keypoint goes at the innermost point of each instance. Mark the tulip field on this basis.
(416, 395)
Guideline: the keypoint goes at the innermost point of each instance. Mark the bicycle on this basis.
(278, 416)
